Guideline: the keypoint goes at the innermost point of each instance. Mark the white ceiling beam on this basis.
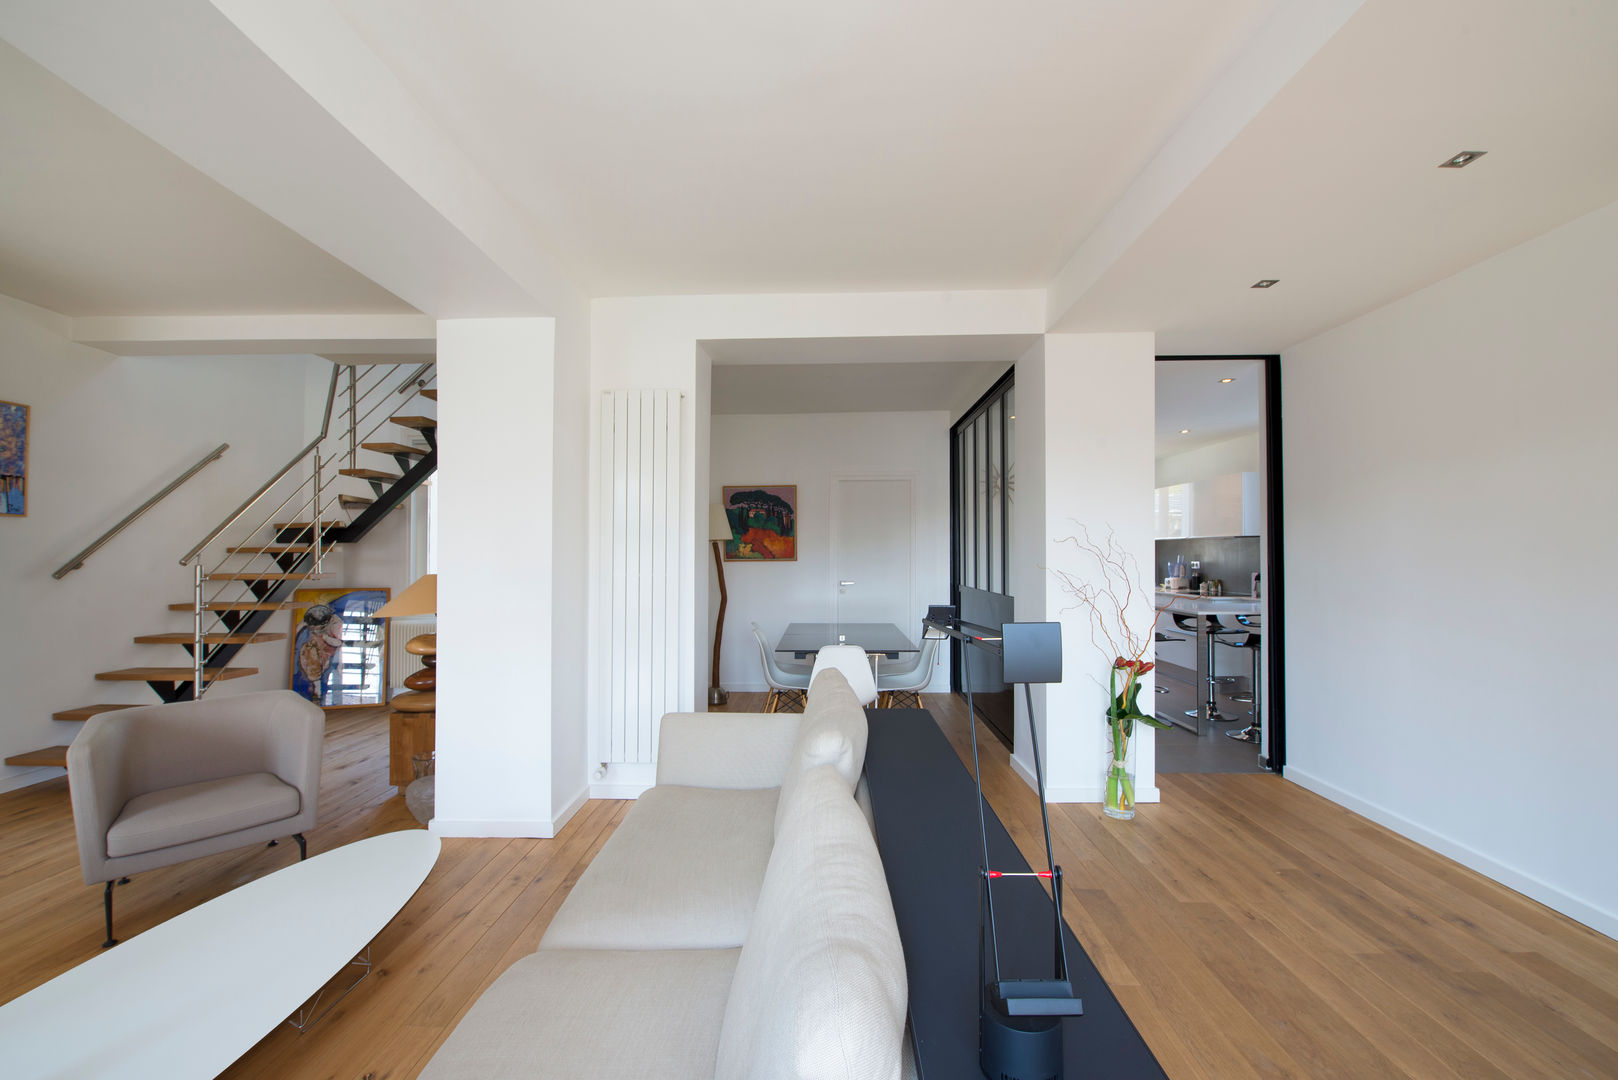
(1293, 33)
(258, 335)
(184, 74)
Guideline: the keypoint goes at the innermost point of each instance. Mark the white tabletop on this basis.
(1188, 603)
(191, 995)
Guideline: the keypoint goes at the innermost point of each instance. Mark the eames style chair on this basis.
(902, 689)
(163, 784)
(789, 683)
(855, 665)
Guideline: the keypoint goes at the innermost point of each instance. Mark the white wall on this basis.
(1450, 477)
(811, 451)
(1087, 400)
(106, 433)
(497, 503)
(1238, 455)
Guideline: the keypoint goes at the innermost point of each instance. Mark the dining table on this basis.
(802, 640)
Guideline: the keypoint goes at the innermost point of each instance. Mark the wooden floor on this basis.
(1250, 928)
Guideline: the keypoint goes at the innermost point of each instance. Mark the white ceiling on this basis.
(711, 146)
(1003, 349)
(1190, 396)
(97, 219)
(1334, 187)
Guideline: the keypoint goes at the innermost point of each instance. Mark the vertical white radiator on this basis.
(641, 562)
(401, 663)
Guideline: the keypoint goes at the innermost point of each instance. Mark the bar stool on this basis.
(1212, 629)
(1252, 641)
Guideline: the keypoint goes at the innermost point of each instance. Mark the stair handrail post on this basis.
(196, 631)
(319, 546)
(353, 420)
(325, 426)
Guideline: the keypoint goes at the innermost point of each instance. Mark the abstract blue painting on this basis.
(13, 459)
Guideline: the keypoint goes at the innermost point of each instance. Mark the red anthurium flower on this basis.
(1137, 667)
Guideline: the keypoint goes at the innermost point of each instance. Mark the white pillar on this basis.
(1085, 437)
(495, 533)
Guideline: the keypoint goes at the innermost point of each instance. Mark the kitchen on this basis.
(1212, 551)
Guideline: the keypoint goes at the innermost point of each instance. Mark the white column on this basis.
(1085, 407)
(495, 533)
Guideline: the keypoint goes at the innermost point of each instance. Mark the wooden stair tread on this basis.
(353, 500)
(308, 526)
(420, 423)
(395, 448)
(275, 549)
(208, 639)
(84, 712)
(236, 605)
(249, 575)
(369, 474)
(430, 395)
(173, 674)
(51, 755)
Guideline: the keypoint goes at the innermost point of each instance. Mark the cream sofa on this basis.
(736, 925)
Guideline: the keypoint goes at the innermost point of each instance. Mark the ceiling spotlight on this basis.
(1227, 380)
(1264, 283)
(1462, 160)
(1185, 431)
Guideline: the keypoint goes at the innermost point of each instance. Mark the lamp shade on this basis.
(420, 599)
(718, 523)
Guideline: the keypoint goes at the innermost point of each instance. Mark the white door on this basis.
(872, 551)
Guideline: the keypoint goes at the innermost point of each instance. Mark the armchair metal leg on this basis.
(106, 903)
(303, 846)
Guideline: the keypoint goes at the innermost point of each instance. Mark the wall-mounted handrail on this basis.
(325, 423)
(77, 561)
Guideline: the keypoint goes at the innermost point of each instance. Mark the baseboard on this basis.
(1026, 771)
(533, 830)
(559, 819)
(29, 777)
(1598, 919)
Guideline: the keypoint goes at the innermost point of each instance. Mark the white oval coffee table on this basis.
(191, 995)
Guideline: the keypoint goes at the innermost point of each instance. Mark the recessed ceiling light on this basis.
(1462, 160)
(1265, 283)
(1227, 380)
(1185, 431)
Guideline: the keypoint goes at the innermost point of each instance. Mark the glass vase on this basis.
(1118, 777)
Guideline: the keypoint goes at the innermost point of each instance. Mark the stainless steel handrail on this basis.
(77, 561)
(325, 423)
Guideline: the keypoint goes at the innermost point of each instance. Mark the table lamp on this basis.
(421, 598)
(719, 534)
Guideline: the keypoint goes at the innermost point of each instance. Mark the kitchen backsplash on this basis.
(1231, 559)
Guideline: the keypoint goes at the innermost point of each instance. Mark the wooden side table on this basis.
(410, 734)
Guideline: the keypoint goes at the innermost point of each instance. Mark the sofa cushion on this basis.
(179, 815)
(833, 732)
(682, 871)
(820, 987)
(594, 1015)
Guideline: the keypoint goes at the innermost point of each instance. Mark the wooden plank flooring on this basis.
(1250, 928)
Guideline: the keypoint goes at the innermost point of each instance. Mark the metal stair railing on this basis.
(366, 392)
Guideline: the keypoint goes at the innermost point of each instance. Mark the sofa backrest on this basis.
(819, 990)
(833, 732)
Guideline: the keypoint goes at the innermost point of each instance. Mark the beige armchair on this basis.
(162, 784)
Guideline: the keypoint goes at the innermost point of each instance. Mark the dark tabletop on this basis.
(925, 805)
(803, 639)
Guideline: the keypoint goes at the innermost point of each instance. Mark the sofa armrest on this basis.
(98, 788)
(725, 750)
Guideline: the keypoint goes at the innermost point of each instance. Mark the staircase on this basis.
(237, 585)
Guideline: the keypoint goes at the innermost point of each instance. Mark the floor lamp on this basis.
(719, 535)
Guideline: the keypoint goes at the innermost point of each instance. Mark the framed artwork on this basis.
(340, 647)
(763, 523)
(13, 459)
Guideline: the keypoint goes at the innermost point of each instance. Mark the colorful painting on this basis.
(13, 459)
(763, 523)
(340, 647)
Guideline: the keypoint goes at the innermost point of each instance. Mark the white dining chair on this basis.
(855, 665)
(908, 683)
(788, 682)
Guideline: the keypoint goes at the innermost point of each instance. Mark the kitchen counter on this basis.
(1190, 603)
(1207, 610)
